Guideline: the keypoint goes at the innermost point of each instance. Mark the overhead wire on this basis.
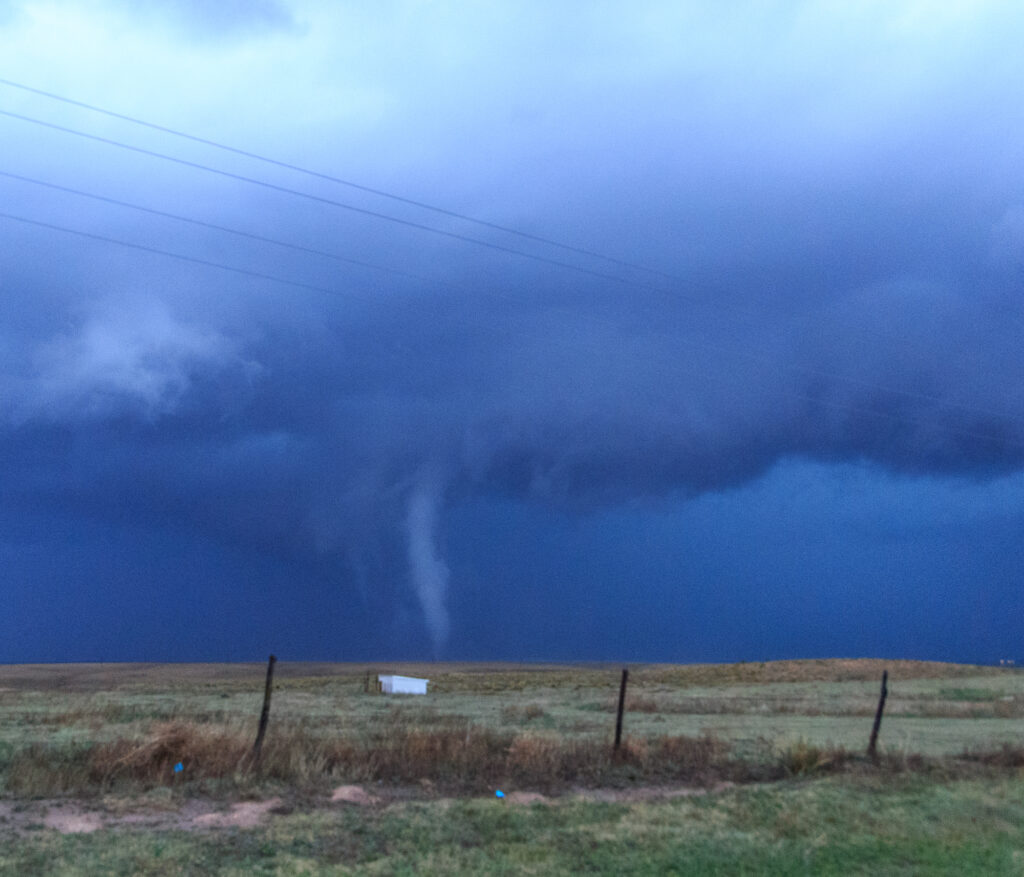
(408, 223)
(338, 180)
(692, 342)
(275, 278)
(135, 120)
(736, 310)
(211, 225)
(148, 249)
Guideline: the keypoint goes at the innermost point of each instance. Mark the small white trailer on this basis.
(402, 685)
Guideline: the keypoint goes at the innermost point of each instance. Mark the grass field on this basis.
(725, 769)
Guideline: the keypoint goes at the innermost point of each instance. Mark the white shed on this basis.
(402, 685)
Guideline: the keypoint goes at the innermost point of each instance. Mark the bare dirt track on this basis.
(71, 816)
(85, 816)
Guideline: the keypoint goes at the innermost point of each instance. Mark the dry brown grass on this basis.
(210, 751)
(527, 713)
(456, 757)
(459, 756)
(921, 706)
(811, 670)
(545, 743)
(636, 703)
(803, 758)
(87, 677)
(480, 677)
(733, 705)
(1006, 756)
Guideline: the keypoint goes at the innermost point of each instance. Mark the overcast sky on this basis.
(694, 331)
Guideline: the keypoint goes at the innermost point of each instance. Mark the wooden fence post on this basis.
(265, 714)
(873, 743)
(622, 706)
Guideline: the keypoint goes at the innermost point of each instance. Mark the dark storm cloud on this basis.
(837, 215)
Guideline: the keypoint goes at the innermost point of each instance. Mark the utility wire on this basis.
(329, 201)
(201, 223)
(121, 243)
(748, 355)
(690, 342)
(340, 181)
(751, 317)
(351, 184)
(736, 310)
(745, 353)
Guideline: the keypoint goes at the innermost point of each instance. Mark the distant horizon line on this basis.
(610, 662)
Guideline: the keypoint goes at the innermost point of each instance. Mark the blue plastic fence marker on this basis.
(499, 794)
(179, 767)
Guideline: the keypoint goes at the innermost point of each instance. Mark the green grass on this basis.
(974, 695)
(90, 730)
(831, 826)
(327, 730)
(933, 714)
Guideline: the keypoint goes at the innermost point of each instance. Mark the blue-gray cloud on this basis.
(195, 19)
(828, 194)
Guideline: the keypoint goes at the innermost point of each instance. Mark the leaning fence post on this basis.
(873, 743)
(622, 706)
(265, 714)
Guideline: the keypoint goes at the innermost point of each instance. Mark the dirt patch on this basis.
(353, 795)
(69, 816)
(245, 814)
(649, 793)
(527, 798)
(79, 817)
(72, 819)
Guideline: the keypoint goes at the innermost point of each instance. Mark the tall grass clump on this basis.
(803, 758)
(449, 752)
(41, 769)
(455, 754)
(1007, 756)
(209, 751)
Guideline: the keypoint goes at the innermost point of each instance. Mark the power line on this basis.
(732, 308)
(322, 200)
(747, 354)
(690, 342)
(210, 264)
(331, 202)
(313, 251)
(340, 181)
(199, 222)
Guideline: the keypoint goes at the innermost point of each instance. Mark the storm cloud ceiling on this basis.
(603, 265)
